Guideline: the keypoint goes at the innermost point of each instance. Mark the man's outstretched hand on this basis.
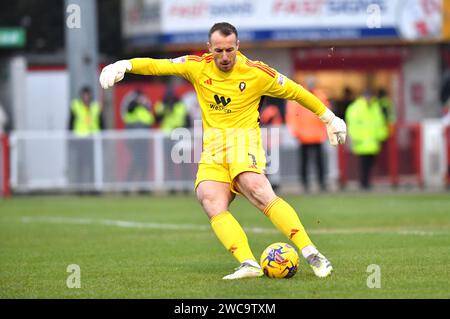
(336, 127)
(114, 73)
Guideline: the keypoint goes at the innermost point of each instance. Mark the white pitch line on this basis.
(112, 222)
(256, 230)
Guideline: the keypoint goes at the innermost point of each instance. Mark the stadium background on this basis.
(44, 61)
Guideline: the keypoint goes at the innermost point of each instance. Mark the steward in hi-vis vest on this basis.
(366, 126)
(367, 130)
(85, 121)
(85, 115)
(138, 114)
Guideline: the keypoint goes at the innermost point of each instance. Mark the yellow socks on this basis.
(232, 236)
(280, 213)
(284, 217)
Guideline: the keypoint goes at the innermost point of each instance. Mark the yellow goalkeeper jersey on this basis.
(230, 100)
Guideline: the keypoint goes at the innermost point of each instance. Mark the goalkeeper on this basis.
(229, 88)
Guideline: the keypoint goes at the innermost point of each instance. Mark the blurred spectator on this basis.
(85, 120)
(446, 123)
(279, 103)
(342, 104)
(311, 134)
(388, 109)
(446, 117)
(193, 107)
(138, 113)
(3, 120)
(85, 114)
(138, 116)
(270, 116)
(367, 130)
(445, 89)
(445, 96)
(171, 112)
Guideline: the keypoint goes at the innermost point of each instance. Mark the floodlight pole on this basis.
(80, 19)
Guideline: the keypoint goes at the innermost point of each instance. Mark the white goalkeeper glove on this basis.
(336, 128)
(114, 73)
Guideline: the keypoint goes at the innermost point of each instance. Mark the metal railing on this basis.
(127, 160)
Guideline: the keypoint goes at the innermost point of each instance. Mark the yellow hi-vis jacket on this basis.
(172, 118)
(366, 126)
(138, 118)
(86, 118)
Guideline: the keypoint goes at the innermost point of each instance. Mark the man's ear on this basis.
(237, 44)
(209, 46)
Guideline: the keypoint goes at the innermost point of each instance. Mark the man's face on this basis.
(86, 97)
(224, 49)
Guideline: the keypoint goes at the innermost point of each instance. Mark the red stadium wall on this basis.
(447, 135)
(365, 58)
(4, 167)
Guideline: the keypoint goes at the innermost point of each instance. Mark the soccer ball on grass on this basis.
(279, 260)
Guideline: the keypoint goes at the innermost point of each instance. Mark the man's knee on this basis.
(253, 182)
(257, 188)
(208, 201)
(213, 206)
(214, 200)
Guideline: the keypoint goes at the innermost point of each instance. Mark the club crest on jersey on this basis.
(242, 86)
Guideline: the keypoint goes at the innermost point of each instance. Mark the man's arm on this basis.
(115, 72)
(101, 122)
(148, 66)
(71, 123)
(283, 87)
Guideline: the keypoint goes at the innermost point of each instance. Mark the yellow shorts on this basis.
(225, 170)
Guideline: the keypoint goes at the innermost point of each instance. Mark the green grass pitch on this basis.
(163, 247)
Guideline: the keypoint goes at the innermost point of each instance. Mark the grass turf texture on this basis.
(407, 235)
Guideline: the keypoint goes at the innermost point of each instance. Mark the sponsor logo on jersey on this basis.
(221, 104)
(222, 100)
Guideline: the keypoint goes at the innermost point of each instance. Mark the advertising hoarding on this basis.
(176, 22)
